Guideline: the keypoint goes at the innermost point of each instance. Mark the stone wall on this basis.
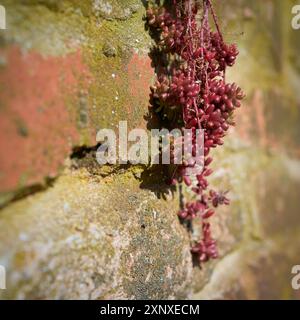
(70, 229)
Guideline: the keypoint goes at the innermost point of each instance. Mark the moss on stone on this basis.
(102, 235)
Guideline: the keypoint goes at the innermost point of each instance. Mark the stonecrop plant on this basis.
(191, 92)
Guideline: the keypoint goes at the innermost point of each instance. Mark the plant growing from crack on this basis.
(191, 92)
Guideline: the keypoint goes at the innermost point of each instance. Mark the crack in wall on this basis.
(10, 197)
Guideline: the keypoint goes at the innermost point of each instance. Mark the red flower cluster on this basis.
(193, 86)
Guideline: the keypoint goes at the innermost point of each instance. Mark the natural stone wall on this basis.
(70, 229)
(95, 237)
(67, 70)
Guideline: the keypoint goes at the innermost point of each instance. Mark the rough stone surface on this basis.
(94, 237)
(70, 229)
(67, 72)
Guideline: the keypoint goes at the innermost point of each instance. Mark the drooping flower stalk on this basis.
(191, 92)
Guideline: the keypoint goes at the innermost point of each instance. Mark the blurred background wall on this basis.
(72, 229)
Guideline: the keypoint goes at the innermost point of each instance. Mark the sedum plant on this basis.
(191, 92)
